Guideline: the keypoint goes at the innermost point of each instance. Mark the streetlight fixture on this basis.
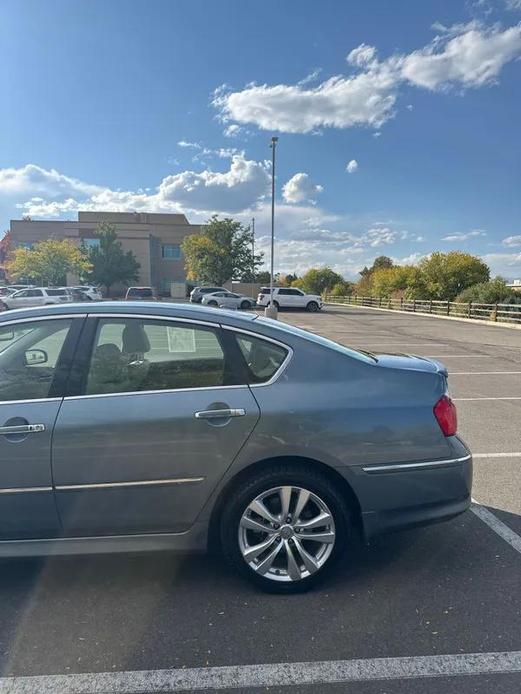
(271, 310)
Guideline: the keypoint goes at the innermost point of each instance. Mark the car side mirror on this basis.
(36, 356)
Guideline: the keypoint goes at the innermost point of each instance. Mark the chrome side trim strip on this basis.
(153, 316)
(139, 483)
(37, 319)
(372, 469)
(151, 392)
(21, 490)
(24, 402)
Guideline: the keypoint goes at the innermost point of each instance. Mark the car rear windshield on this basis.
(319, 340)
(145, 291)
(265, 290)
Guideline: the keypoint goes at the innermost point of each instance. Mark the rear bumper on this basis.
(408, 495)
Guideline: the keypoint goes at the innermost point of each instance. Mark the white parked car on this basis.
(36, 296)
(289, 297)
(225, 299)
(92, 292)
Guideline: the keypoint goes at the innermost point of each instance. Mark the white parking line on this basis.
(269, 675)
(407, 344)
(493, 522)
(481, 373)
(515, 454)
(506, 397)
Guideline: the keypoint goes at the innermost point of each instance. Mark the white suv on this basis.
(289, 297)
(36, 296)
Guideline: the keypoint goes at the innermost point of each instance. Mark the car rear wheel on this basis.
(245, 304)
(312, 306)
(284, 528)
(212, 303)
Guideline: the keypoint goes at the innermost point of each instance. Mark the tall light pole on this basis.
(253, 257)
(271, 311)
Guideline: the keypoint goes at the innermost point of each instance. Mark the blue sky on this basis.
(398, 121)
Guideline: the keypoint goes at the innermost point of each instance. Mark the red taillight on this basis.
(445, 413)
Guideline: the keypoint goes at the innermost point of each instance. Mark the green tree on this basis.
(48, 262)
(379, 263)
(110, 263)
(264, 277)
(318, 280)
(399, 280)
(342, 288)
(221, 252)
(491, 292)
(447, 274)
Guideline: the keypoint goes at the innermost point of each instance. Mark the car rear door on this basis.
(35, 355)
(157, 419)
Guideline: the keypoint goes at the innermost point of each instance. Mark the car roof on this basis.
(151, 308)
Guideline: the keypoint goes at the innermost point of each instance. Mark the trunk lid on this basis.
(411, 362)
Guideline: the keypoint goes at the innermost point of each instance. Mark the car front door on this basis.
(158, 420)
(34, 357)
(287, 297)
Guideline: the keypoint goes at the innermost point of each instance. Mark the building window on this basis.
(171, 251)
(90, 243)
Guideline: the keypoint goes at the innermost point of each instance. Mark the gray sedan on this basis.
(150, 426)
(226, 299)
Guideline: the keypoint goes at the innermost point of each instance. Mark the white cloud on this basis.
(465, 236)
(189, 145)
(505, 264)
(49, 193)
(311, 77)
(512, 241)
(352, 166)
(469, 55)
(473, 57)
(300, 188)
(242, 186)
(362, 56)
(34, 180)
(513, 5)
(233, 130)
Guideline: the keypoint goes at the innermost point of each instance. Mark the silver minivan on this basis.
(147, 426)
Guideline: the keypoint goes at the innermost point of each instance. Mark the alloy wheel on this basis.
(286, 534)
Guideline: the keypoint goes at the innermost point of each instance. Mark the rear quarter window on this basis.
(263, 359)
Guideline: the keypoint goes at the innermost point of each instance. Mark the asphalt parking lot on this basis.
(421, 600)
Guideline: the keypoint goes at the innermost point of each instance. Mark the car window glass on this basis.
(132, 355)
(19, 344)
(263, 358)
(324, 341)
(56, 292)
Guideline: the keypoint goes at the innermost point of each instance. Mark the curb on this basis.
(490, 324)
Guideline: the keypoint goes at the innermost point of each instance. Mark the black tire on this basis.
(294, 475)
(212, 303)
(245, 304)
(312, 306)
(276, 304)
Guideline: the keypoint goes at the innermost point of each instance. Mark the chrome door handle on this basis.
(220, 414)
(23, 429)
